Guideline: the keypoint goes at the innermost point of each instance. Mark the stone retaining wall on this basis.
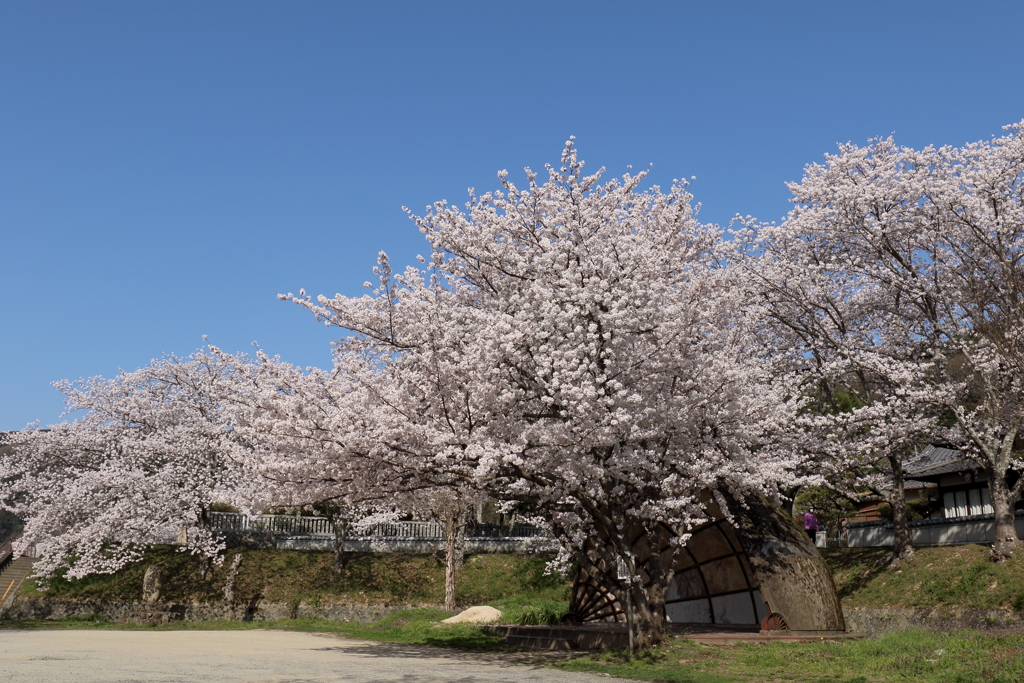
(872, 621)
(160, 613)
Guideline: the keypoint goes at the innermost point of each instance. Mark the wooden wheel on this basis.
(592, 602)
(774, 621)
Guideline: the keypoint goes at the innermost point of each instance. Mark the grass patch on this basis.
(918, 656)
(940, 576)
(950, 576)
(908, 656)
(530, 611)
(423, 627)
(296, 577)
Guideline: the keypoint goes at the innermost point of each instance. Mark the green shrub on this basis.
(527, 612)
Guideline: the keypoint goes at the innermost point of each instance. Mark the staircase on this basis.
(13, 571)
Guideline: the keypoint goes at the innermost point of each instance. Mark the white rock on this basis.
(475, 615)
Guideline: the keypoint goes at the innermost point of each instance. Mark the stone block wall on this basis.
(161, 613)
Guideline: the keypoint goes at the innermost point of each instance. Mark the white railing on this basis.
(293, 525)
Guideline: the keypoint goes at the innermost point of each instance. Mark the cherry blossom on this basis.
(928, 245)
(148, 457)
(581, 347)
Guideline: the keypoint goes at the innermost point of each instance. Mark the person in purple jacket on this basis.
(811, 524)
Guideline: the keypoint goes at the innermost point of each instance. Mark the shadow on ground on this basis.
(855, 568)
(508, 656)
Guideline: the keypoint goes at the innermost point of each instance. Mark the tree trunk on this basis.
(151, 584)
(648, 616)
(229, 587)
(205, 564)
(789, 499)
(1005, 545)
(648, 603)
(341, 557)
(903, 549)
(454, 532)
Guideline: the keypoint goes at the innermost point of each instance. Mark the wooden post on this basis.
(624, 574)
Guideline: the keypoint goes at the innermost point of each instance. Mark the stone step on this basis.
(19, 569)
(11, 579)
(540, 642)
(537, 631)
(582, 637)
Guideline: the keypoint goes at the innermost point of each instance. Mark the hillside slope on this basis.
(940, 576)
(947, 576)
(292, 577)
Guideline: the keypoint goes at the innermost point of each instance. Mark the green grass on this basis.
(951, 576)
(295, 577)
(940, 576)
(423, 627)
(531, 611)
(908, 656)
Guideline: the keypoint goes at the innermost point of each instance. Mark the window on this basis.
(967, 502)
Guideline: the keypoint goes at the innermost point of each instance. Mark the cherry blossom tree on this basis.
(149, 456)
(872, 392)
(452, 506)
(579, 346)
(316, 452)
(932, 239)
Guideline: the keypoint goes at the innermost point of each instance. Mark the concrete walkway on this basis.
(30, 656)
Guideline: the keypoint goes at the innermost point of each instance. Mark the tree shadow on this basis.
(450, 650)
(857, 566)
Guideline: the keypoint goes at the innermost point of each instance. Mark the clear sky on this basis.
(167, 168)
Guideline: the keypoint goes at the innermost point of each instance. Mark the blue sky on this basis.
(167, 168)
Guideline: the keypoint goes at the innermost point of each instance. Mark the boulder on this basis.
(475, 615)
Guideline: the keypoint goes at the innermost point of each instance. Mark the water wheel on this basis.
(774, 622)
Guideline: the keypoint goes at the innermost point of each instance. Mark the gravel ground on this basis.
(44, 656)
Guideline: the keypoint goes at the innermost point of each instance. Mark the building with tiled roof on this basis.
(962, 484)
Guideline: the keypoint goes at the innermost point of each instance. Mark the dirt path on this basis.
(30, 656)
